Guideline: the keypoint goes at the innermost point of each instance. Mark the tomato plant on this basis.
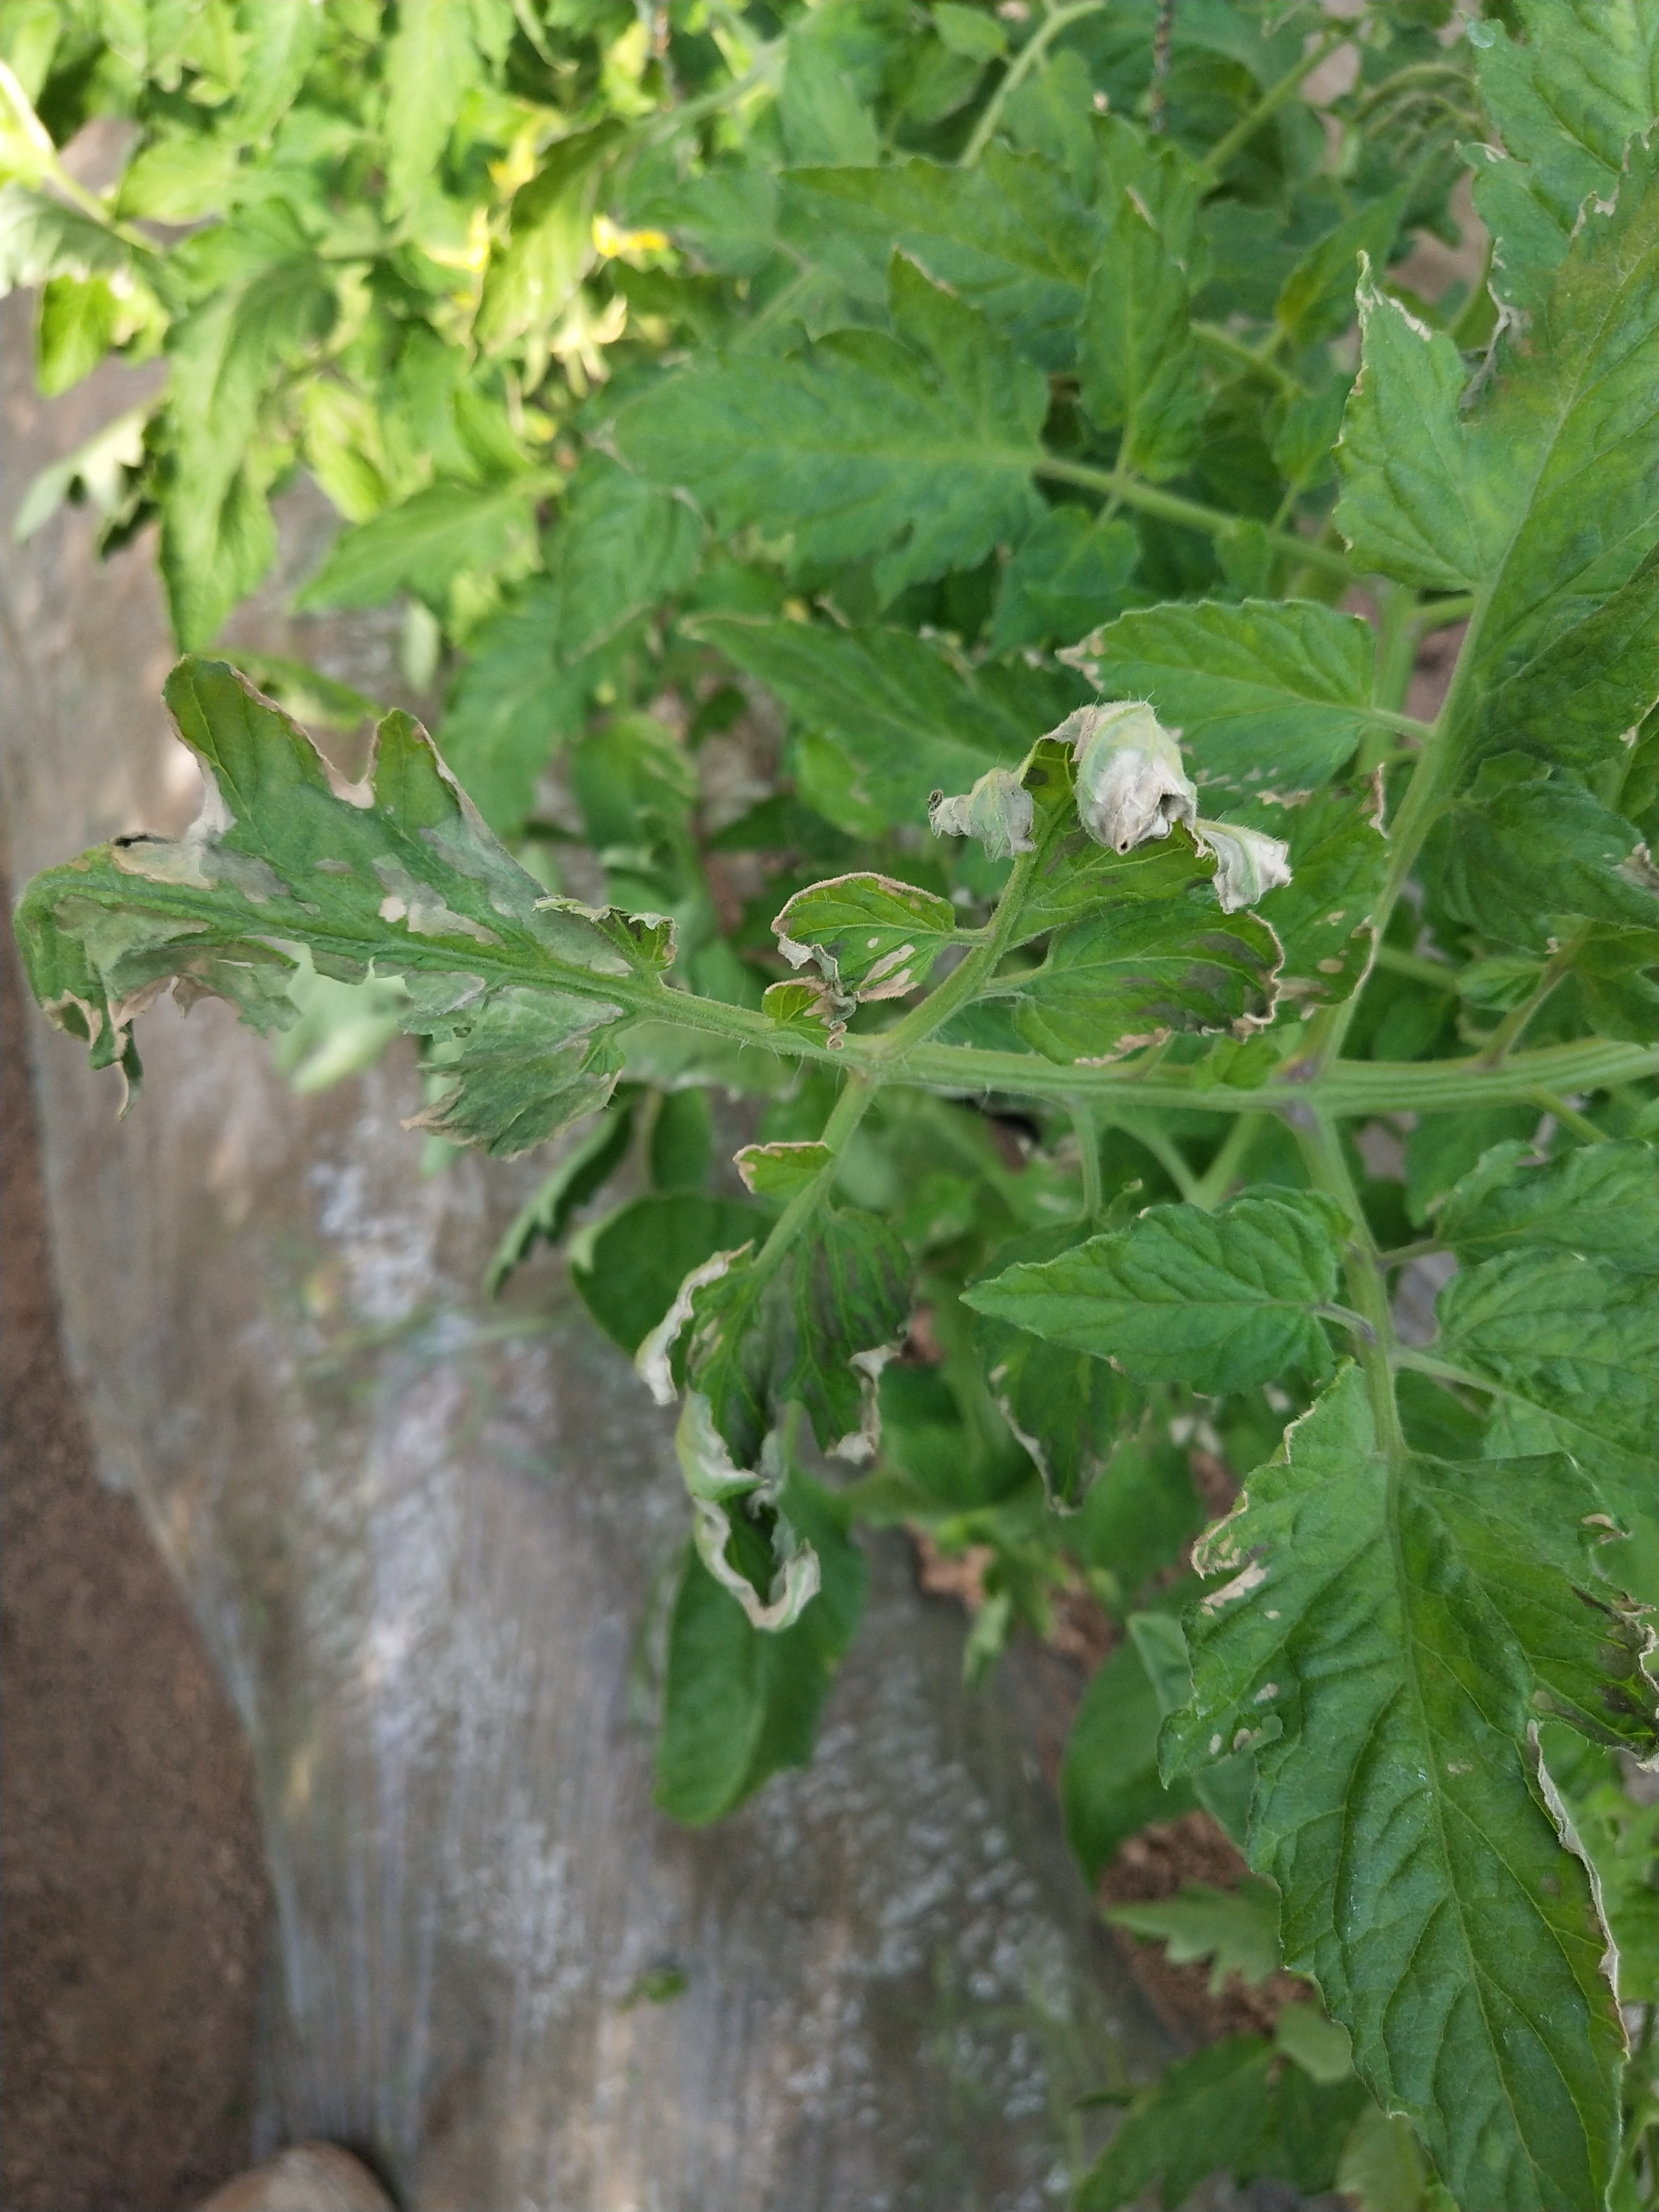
(927, 520)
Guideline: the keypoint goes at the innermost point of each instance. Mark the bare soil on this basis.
(132, 1900)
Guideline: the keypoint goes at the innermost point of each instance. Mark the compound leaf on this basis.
(1524, 847)
(398, 874)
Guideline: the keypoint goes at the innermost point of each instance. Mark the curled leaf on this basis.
(1130, 784)
(998, 810)
(1248, 863)
(715, 1483)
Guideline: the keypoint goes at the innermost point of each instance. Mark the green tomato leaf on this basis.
(1317, 300)
(264, 299)
(520, 1068)
(1268, 693)
(397, 873)
(1137, 362)
(629, 1270)
(513, 703)
(40, 238)
(866, 935)
(738, 1703)
(431, 65)
(1139, 1514)
(1366, 1644)
(422, 544)
(529, 287)
(1068, 1408)
(545, 1214)
(1568, 1344)
(1108, 1781)
(1583, 691)
(1323, 916)
(1566, 103)
(811, 1327)
(1237, 1928)
(822, 117)
(1225, 1789)
(80, 319)
(1235, 2107)
(781, 1171)
(1524, 847)
(1600, 1200)
(1219, 1301)
(912, 718)
(1076, 876)
(917, 448)
(622, 549)
(283, 39)
(1008, 235)
(1382, 2168)
(1066, 575)
(1415, 503)
(1136, 974)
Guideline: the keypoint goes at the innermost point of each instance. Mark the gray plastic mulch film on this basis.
(420, 1542)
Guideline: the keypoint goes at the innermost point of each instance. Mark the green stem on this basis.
(1397, 644)
(1352, 1089)
(1568, 1116)
(1215, 162)
(762, 70)
(1248, 358)
(1019, 70)
(1509, 1032)
(1088, 1147)
(857, 1096)
(1218, 1179)
(1322, 1148)
(1439, 974)
(1163, 1148)
(1419, 810)
(1441, 614)
(968, 979)
(1213, 521)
